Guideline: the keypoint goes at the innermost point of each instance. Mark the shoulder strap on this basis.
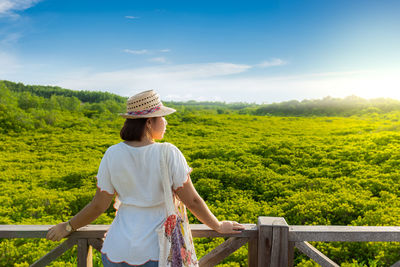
(169, 202)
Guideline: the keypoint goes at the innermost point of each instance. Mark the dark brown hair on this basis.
(133, 129)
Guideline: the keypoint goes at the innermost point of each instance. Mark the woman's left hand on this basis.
(57, 232)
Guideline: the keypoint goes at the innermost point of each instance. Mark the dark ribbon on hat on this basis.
(144, 112)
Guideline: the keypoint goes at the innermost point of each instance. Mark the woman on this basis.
(131, 170)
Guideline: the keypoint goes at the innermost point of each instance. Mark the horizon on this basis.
(233, 52)
(246, 103)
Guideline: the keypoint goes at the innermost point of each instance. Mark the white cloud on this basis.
(136, 52)
(146, 51)
(10, 39)
(219, 82)
(176, 72)
(271, 63)
(9, 7)
(158, 59)
(132, 17)
(180, 78)
(366, 84)
(8, 64)
(5, 6)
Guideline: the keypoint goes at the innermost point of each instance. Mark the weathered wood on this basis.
(396, 264)
(252, 252)
(222, 251)
(24, 231)
(275, 246)
(299, 233)
(98, 231)
(265, 239)
(40, 231)
(97, 243)
(94, 234)
(264, 242)
(261, 237)
(279, 247)
(284, 245)
(315, 254)
(55, 253)
(201, 230)
(296, 233)
(291, 254)
(85, 258)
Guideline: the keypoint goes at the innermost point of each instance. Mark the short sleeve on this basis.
(178, 168)
(104, 176)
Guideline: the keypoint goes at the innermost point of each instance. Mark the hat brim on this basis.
(163, 111)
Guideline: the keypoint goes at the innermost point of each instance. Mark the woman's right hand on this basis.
(229, 227)
(57, 232)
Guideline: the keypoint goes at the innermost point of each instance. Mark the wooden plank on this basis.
(97, 243)
(85, 257)
(54, 253)
(24, 231)
(265, 239)
(264, 246)
(279, 249)
(252, 256)
(98, 231)
(40, 231)
(222, 251)
(275, 246)
(315, 254)
(201, 230)
(396, 264)
(269, 221)
(284, 245)
(298, 233)
(291, 254)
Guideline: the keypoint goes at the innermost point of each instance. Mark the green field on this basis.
(309, 170)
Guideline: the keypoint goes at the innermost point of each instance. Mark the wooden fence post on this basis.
(291, 254)
(273, 242)
(252, 255)
(85, 258)
(264, 241)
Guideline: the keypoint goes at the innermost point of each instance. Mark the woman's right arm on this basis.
(100, 202)
(195, 203)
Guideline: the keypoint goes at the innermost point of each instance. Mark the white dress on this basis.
(134, 174)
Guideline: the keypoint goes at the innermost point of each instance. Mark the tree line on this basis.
(101, 101)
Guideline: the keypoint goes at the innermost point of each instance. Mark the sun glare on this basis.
(381, 84)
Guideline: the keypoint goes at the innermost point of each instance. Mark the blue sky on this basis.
(252, 51)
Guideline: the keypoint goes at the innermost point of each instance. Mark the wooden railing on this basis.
(271, 241)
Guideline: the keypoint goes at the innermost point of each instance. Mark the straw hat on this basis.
(146, 104)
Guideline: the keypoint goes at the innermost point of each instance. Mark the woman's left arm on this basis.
(94, 209)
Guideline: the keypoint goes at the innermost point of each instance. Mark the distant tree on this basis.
(48, 91)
